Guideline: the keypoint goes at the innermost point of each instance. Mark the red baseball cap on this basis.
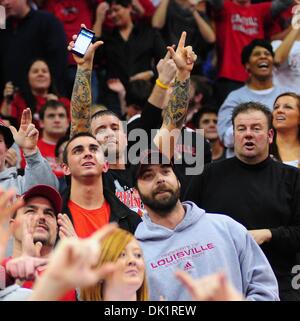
(47, 192)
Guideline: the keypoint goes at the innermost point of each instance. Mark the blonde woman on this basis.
(128, 281)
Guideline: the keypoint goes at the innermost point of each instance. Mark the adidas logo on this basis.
(187, 266)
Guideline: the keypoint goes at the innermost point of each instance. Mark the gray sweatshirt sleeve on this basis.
(37, 171)
(259, 281)
(279, 5)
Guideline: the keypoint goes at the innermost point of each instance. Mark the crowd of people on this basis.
(163, 163)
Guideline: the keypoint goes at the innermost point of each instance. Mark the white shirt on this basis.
(288, 73)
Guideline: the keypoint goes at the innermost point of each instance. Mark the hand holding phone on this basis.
(84, 39)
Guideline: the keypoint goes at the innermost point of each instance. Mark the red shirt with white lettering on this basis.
(236, 27)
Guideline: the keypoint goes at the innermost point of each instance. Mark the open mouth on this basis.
(279, 118)
(249, 145)
(162, 192)
(263, 66)
(88, 164)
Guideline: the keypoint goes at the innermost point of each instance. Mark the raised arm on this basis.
(100, 17)
(159, 17)
(204, 28)
(184, 58)
(175, 113)
(282, 52)
(81, 100)
(37, 170)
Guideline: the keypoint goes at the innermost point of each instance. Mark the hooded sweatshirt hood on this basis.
(152, 231)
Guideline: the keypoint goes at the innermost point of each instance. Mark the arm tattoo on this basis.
(177, 106)
(81, 102)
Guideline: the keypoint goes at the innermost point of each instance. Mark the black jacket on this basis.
(119, 213)
(38, 35)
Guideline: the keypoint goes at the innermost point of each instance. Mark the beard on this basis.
(43, 239)
(162, 206)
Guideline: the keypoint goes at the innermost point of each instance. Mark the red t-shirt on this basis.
(236, 27)
(47, 150)
(18, 105)
(69, 296)
(86, 222)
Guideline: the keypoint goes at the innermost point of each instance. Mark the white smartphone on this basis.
(84, 39)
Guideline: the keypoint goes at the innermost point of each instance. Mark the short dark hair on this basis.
(207, 109)
(106, 112)
(252, 106)
(83, 134)
(54, 104)
(137, 93)
(247, 50)
(123, 3)
(59, 143)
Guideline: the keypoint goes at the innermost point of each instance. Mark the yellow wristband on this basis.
(160, 84)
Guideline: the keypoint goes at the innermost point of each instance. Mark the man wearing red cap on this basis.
(35, 229)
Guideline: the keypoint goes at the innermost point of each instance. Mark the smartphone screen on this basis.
(82, 42)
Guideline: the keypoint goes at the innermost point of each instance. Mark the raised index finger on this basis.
(26, 117)
(167, 56)
(181, 42)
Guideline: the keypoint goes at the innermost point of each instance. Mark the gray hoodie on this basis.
(37, 171)
(202, 244)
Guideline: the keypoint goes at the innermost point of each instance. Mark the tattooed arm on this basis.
(81, 102)
(81, 96)
(175, 113)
